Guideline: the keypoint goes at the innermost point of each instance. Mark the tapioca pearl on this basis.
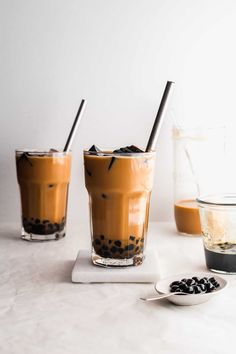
(120, 250)
(46, 221)
(132, 238)
(197, 289)
(197, 279)
(114, 249)
(137, 241)
(136, 249)
(142, 240)
(102, 237)
(117, 243)
(110, 241)
(129, 247)
(97, 241)
(203, 287)
(37, 221)
(105, 248)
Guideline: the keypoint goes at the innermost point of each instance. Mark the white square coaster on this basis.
(84, 271)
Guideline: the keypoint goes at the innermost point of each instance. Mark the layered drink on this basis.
(43, 179)
(218, 224)
(119, 185)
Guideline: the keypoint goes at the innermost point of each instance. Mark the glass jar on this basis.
(218, 224)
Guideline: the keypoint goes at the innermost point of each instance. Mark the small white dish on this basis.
(163, 287)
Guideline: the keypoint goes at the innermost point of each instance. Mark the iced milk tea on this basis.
(119, 188)
(43, 179)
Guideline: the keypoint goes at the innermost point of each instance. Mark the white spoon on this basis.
(162, 296)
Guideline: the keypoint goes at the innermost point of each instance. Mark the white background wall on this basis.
(118, 54)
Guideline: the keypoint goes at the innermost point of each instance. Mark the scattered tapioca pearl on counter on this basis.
(194, 285)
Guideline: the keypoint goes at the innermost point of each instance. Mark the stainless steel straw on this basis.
(75, 125)
(159, 117)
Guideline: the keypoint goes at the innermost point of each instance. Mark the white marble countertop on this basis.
(41, 311)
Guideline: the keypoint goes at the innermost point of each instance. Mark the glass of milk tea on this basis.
(199, 155)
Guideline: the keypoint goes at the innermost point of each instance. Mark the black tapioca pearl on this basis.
(32, 219)
(104, 196)
(50, 226)
(132, 238)
(210, 287)
(176, 282)
(106, 254)
(102, 237)
(37, 221)
(63, 235)
(110, 241)
(136, 249)
(216, 285)
(61, 226)
(56, 225)
(197, 279)
(105, 248)
(212, 280)
(190, 282)
(97, 242)
(137, 241)
(129, 247)
(57, 236)
(197, 289)
(121, 250)
(25, 219)
(113, 249)
(50, 185)
(142, 240)
(45, 221)
(117, 243)
(203, 287)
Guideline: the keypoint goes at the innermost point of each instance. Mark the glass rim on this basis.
(41, 152)
(106, 153)
(227, 200)
(196, 132)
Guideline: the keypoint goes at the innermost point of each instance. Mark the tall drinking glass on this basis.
(119, 187)
(43, 179)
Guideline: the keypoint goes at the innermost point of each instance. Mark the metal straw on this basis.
(75, 125)
(159, 117)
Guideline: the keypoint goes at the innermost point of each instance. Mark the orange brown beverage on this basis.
(187, 217)
(43, 179)
(119, 187)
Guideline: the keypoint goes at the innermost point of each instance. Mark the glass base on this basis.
(190, 235)
(221, 271)
(220, 262)
(114, 262)
(37, 238)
